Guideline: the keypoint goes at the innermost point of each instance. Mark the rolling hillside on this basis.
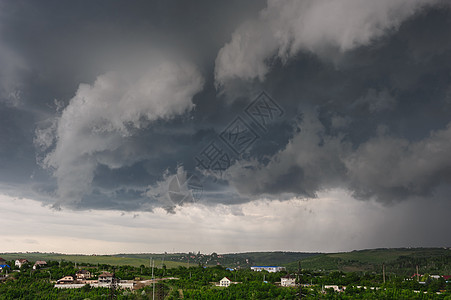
(399, 261)
(115, 260)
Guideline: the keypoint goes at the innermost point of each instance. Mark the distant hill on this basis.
(276, 258)
(399, 261)
(171, 260)
(244, 260)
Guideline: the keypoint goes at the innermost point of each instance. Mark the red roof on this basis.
(106, 274)
(446, 277)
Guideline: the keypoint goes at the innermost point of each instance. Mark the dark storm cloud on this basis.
(113, 99)
(380, 123)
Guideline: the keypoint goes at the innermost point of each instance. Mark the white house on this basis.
(105, 278)
(270, 269)
(83, 274)
(39, 264)
(225, 282)
(20, 262)
(66, 279)
(288, 281)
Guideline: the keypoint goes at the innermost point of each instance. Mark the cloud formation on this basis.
(393, 169)
(112, 122)
(384, 168)
(324, 27)
(100, 120)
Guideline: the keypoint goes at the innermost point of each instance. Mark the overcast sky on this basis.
(224, 126)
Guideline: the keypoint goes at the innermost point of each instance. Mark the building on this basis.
(2, 261)
(288, 281)
(20, 262)
(225, 282)
(66, 279)
(270, 269)
(83, 274)
(4, 266)
(39, 264)
(105, 278)
(336, 288)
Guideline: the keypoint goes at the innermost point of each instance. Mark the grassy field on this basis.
(115, 260)
(401, 261)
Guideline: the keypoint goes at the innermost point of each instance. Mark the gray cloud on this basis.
(385, 168)
(102, 116)
(283, 29)
(377, 101)
(392, 169)
(309, 163)
(113, 107)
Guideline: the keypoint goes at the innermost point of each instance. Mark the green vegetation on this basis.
(231, 260)
(115, 260)
(357, 274)
(171, 260)
(401, 261)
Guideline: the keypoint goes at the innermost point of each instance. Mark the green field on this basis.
(115, 260)
(400, 261)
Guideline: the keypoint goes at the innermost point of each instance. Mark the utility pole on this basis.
(113, 285)
(153, 282)
(418, 275)
(383, 271)
(299, 279)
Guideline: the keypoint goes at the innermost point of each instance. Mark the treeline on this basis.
(198, 282)
(397, 261)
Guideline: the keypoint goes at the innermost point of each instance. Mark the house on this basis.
(288, 281)
(270, 269)
(39, 264)
(20, 262)
(83, 274)
(336, 288)
(225, 282)
(66, 279)
(105, 278)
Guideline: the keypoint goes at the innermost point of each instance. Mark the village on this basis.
(183, 282)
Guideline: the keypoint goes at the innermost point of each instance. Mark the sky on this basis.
(224, 126)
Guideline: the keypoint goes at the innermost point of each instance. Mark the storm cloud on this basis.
(100, 109)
